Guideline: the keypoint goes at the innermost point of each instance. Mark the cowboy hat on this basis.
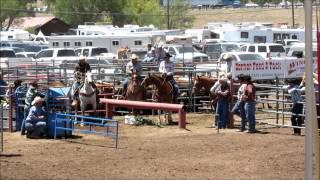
(223, 77)
(168, 55)
(82, 57)
(134, 57)
(36, 100)
(226, 56)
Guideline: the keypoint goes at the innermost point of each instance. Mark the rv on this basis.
(112, 42)
(14, 34)
(254, 33)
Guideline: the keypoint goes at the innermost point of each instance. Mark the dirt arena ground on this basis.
(151, 152)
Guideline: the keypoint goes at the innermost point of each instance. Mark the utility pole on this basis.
(292, 7)
(168, 17)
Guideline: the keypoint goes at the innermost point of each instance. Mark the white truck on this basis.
(55, 56)
(185, 54)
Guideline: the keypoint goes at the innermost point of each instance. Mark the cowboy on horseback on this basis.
(134, 64)
(79, 74)
(166, 68)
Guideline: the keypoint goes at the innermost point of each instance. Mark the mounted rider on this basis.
(166, 68)
(80, 71)
(133, 64)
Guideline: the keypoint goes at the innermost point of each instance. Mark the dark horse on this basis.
(135, 90)
(164, 91)
(205, 83)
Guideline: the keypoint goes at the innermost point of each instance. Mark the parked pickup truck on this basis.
(95, 53)
(185, 54)
(55, 56)
(8, 58)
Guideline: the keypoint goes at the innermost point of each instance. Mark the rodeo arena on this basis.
(142, 103)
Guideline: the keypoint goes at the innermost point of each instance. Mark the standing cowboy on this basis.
(133, 64)
(79, 73)
(166, 68)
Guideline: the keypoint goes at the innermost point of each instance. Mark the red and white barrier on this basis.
(110, 103)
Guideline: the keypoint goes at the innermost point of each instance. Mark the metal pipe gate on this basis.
(110, 103)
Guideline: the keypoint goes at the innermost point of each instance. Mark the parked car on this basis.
(94, 53)
(185, 54)
(55, 56)
(35, 47)
(266, 50)
(90, 51)
(298, 50)
(287, 43)
(225, 60)
(214, 50)
(26, 54)
(7, 53)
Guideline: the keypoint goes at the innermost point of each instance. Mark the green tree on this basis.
(178, 15)
(144, 12)
(141, 12)
(81, 11)
(10, 9)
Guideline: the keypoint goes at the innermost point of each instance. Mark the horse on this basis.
(163, 93)
(205, 83)
(135, 91)
(87, 95)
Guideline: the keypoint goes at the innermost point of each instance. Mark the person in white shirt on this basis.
(166, 68)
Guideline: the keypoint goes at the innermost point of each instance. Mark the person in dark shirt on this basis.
(80, 71)
(3, 85)
(250, 103)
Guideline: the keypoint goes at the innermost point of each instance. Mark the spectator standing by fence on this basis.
(295, 92)
(222, 91)
(238, 108)
(32, 92)
(3, 85)
(250, 103)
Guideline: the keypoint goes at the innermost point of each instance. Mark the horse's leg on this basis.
(83, 109)
(159, 117)
(94, 107)
(169, 117)
(76, 112)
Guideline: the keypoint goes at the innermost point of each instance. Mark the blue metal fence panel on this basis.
(71, 119)
(58, 102)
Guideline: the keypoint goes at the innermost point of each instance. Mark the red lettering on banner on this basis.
(274, 65)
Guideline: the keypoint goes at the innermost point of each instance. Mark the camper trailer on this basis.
(112, 42)
(254, 33)
(200, 35)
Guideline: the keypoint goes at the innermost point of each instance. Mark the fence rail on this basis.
(71, 120)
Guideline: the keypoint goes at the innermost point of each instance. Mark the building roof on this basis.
(27, 22)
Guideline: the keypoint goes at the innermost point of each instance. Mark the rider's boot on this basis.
(74, 102)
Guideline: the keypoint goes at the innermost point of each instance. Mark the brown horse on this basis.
(163, 93)
(205, 83)
(135, 90)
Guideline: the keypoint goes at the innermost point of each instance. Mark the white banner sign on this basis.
(270, 69)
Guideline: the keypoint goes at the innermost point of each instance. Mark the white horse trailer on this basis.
(200, 35)
(112, 42)
(254, 32)
(258, 34)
